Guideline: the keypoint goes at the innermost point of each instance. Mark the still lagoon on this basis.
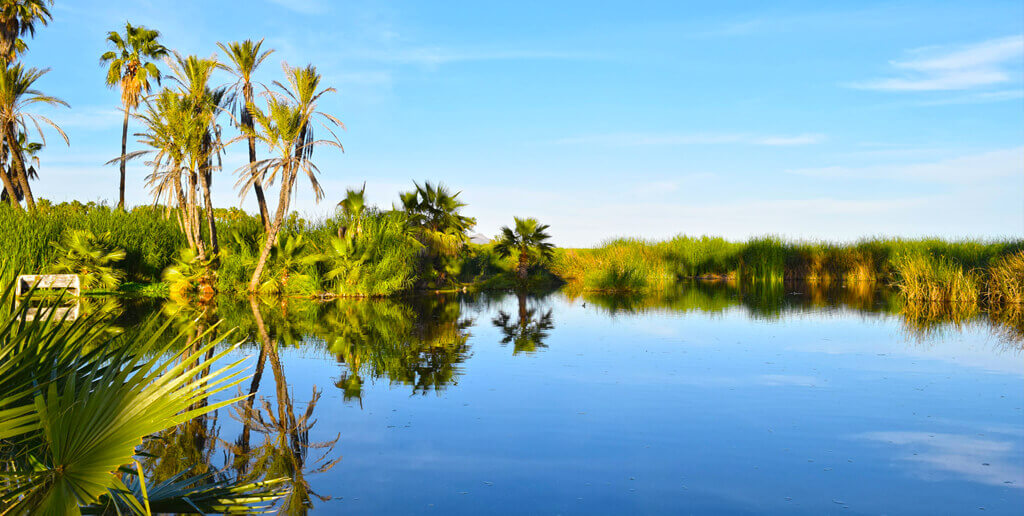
(706, 401)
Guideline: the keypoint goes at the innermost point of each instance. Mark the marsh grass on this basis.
(932, 270)
(1006, 280)
(149, 240)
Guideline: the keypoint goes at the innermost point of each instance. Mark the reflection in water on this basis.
(285, 447)
(922, 322)
(935, 455)
(421, 344)
(528, 331)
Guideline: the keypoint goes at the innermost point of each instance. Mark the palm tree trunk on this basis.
(193, 215)
(275, 227)
(204, 181)
(19, 167)
(524, 265)
(257, 187)
(124, 152)
(183, 218)
(12, 196)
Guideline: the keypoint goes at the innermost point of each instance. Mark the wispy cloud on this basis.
(963, 169)
(961, 68)
(674, 139)
(433, 56)
(302, 6)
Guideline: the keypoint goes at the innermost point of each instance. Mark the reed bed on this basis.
(929, 269)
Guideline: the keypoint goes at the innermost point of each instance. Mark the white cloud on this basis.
(967, 67)
(671, 139)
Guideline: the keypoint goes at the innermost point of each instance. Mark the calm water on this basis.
(706, 401)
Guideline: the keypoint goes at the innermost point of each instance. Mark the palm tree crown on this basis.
(130, 63)
(18, 18)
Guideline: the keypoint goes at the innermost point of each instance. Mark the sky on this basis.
(807, 120)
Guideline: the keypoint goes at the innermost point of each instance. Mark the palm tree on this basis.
(202, 104)
(245, 57)
(130, 67)
(169, 127)
(352, 208)
(18, 18)
(286, 130)
(433, 213)
(17, 94)
(529, 240)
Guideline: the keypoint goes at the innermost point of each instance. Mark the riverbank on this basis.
(143, 252)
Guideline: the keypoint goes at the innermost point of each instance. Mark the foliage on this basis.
(377, 260)
(92, 258)
(528, 242)
(190, 275)
(150, 242)
(75, 405)
(923, 269)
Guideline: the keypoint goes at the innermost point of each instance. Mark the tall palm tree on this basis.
(18, 18)
(204, 104)
(528, 240)
(169, 127)
(285, 128)
(245, 57)
(16, 95)
(130, 67)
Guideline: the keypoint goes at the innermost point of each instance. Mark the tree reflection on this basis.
(419, 342)
(528, 331)
(285, 436)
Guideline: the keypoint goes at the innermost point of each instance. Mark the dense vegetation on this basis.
(355, 252)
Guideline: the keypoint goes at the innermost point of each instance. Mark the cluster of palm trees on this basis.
(184, 139)
(18, 20)
(183, 112)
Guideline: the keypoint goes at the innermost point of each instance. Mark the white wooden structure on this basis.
(71, 282)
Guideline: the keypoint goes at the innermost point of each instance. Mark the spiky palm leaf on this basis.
(76, 405)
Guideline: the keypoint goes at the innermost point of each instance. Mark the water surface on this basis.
(707, 400)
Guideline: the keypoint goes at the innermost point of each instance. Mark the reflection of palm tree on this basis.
(286, 442)
(528, 332)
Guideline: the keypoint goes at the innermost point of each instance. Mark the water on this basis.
(704, 401)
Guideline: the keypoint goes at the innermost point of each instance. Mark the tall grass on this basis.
(930, 269)
(150, 241)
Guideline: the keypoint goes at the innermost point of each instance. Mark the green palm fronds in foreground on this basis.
(76, 404)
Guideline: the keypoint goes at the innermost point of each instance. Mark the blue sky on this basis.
(802, 119)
